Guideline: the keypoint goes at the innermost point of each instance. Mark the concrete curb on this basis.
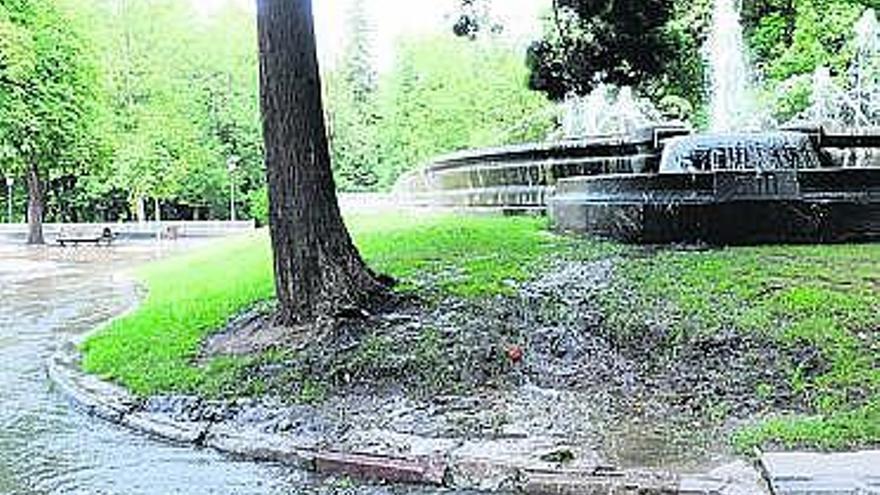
(461, 467)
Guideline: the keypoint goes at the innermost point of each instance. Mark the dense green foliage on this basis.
(791, 38)
(593, 41)
(447, 94)
(153, 349)
(819, 302)
(442, 94)
(157, 98)
(352, 109)
(120, 102)
(50, 110)
(654, 46)
(651, 45)
(162, 97)
(183, 100)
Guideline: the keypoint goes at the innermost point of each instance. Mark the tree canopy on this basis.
(791, 38)
(49, 101)
(601, 41)
(447, 94)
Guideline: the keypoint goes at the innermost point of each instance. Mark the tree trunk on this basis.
(318, 270)
(35, 206)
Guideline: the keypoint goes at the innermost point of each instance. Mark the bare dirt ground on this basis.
(536, 367)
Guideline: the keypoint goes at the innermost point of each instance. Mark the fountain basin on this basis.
(738, 188)
(523, 177)
(724, 206)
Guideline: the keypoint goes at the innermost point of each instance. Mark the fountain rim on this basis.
(647, 136)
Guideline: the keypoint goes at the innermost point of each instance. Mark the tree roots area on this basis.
(674, 357)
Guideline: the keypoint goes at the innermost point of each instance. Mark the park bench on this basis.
(85, 235)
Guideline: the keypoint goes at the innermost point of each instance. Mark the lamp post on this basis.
(9, 182)
(231, 166)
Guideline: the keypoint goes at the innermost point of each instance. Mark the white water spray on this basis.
(607, 110)
(851, 105)
(866, 67)
(733, 106)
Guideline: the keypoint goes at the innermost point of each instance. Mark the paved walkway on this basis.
(798, 473)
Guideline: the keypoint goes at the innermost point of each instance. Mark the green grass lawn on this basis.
(825, 298)
(153, 349)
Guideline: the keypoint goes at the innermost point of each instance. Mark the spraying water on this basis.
(733, 106)
(866, 67)
(851, 106)
(607, 110)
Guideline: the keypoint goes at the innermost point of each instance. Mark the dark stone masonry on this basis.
(723, 207)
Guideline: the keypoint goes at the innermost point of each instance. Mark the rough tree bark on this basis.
(35, 205)
(318, 270)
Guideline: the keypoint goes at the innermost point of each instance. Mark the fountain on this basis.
(854, 107)
(737, 186)
(607, 131)
(733, 106)
(648, 183)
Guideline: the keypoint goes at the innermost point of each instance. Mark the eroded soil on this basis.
(536, 370)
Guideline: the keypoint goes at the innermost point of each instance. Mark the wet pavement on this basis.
(807, 473)
(50, 295)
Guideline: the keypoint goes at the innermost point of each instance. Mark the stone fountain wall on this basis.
(522, 178)
(723, 207)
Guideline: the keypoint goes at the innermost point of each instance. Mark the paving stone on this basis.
(802, 473)
(254, 444)
(382, 468)
(737, 478)
(86, 392)
(390, 443)
(598, 482)
(499, 464)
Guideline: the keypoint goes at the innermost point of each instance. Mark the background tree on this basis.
(446, 94)
(228, 75)
(183, 89)
(587, 42)
(148, 103)
(318, 270)
(789, 39)
(49, 101)
(651, 45)
(352, 107)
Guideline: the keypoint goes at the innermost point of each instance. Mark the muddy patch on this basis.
(540, 366)
(251, 333)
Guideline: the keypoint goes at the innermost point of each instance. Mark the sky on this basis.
(395, 18)
(391, 19)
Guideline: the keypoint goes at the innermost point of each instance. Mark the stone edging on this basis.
(113, 403)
